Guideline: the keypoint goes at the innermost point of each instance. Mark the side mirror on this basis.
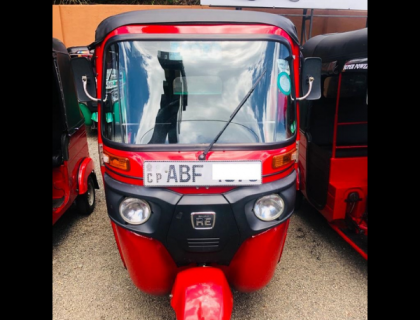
(83, 69)
(311, 79)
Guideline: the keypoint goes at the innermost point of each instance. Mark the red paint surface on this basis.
(114, 230)
(153, 270)
(137, 159)
(202, 293)
(346, 175)
(85, 169)
(149, 264)
(255, 262)
(61, 188)
(66, 177)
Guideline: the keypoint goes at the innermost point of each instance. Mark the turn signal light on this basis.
(283, 159)
(116, 161)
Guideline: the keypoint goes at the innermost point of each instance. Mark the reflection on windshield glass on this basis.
(183, 92)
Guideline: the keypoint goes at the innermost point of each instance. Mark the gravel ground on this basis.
(319, 277)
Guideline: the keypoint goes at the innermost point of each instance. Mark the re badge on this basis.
(203, 220)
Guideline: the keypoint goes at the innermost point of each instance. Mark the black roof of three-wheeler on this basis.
(65, 86)
(337, 46)
(193, 16)
(58, 46)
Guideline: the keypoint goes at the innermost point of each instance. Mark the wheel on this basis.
(298, 199)
(86, 202)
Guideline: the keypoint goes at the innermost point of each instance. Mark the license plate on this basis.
(201, 173)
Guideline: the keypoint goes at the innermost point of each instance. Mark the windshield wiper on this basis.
(203, 155)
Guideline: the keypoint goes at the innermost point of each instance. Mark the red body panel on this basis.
(153, 271)
(346, 175)
(114, 230)
(254, 263)
(149, 264)
(85, 169)
(61, 188)
(137, 159)
(66, 177)
(202, 293)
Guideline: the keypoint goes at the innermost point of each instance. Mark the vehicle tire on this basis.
(298, 199)
(86, 202)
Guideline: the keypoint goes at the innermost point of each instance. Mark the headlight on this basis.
(135, 211)
(269, 208)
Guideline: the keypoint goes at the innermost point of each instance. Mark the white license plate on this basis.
(201, 173)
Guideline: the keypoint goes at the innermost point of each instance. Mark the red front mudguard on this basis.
(202, 293)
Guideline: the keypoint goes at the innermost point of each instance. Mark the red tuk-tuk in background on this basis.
(333, 153)
(198, 148)
(73, 174)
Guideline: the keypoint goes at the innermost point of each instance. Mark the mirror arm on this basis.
(84, 80)
(311, 79)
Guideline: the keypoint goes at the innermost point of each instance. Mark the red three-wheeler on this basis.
(73, 176)
(198, 148)
(333, 153)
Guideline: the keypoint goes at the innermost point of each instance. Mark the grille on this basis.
(203, 244)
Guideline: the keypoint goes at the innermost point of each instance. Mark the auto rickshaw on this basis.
(73, 176)
(198, 148)
(333, 148)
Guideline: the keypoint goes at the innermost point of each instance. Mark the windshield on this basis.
(184, 92)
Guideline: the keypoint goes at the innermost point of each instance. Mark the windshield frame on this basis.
(199, 37)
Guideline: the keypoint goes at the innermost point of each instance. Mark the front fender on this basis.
(85, 169)
(202, 293)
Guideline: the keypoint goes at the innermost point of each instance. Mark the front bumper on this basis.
(170, 222)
